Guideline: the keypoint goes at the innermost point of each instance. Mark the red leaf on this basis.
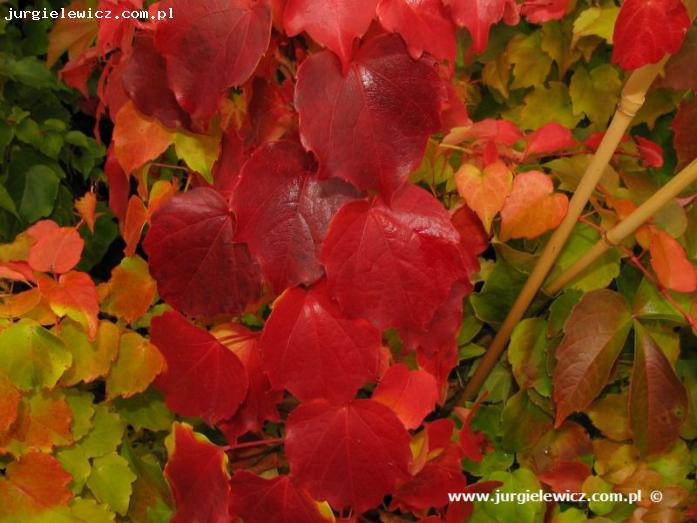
(270, 112)
(197, 472)
(283, 212)
(145, 80)
(77, 72)
(586, 355)
(671, 264)
(393, 264)
(646, 30)
(477, 16)
(533, 207)
(541, 11)
(119, 186)
(439, 362)
(651, 152)
(566, 476)
(472, 443)
(203, 377)
(487, 130)
(117, 30)
(209, 47)
(412, 395)
(333, 23)
(351, 455)
(550, 138)
(680, 73)
(198, 267)
(474, 237)
(462, 511)
(312, 351)
(260, 403)
(56, 249)
(9, 403)
(424, 25)
(657, 399)
(685, 129)
(132, 226)
(277, 500)
(370, 126)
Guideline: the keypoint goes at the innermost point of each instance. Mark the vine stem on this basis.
(615, 236)
(632, 99)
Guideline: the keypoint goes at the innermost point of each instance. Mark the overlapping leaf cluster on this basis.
(326, 209)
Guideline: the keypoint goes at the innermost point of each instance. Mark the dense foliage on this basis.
(251, 255)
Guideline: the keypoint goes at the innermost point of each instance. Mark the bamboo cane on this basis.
(632, 99)
(619, 232)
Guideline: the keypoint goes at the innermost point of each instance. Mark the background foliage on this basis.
(246, 278)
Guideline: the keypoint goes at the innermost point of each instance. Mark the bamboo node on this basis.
(630, 107)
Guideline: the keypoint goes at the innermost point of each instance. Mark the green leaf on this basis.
(6, 202)
(595, 93)
(599, 274)
(29, 71)
(145, 411)
(106, 433)
(198, 151)
(523, 423)
(75, 461)
(31, 356)
(517, 482)
(596, 21)
(81, 403)
(531, 64)
(111, 482)
(561, 308)
(649, 304)
(543, 105)
(527, 354)
(34, 192)
(500, 290)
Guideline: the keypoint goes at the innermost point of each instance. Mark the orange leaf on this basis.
(135, 368)
(71, 34)
(132, 227)
(86, 207)
(670, 262)
(532, 208)
(16, 305)
(484, 191)
(131, 290)
(56, 249)
(32, 485)
(75, 296)
(138, 139)
(9, 403)
(44, 421)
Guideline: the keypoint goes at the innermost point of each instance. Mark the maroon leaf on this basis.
(277, 500)
(209, 47)
(371, 125)
(685, 129)
(424, 25)
(312, 351)
(657, 398)
(393, 264)
(351, 455)
(198, 267)
(646, 30)
(197, 472)
(283, 212)
(333, 23)
(203, 377)
(144, 79)
(594, 336)
(474, 238)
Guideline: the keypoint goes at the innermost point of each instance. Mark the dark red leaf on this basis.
(198, 267)
(119, 185)
(277, 500)
(646, 30)
(209, 47)
(393, 264)
(203, 377)
(311, 350)
(117, 30)
(371, 125)
(351, 455)
(474, 237)
(283, 212)
(270, 112)
(424, 25)
(333, 23)
(144, 78)
(685, 129)
(227, 167)
(197, 472)
(565, 476)
(651, 152)
(657, 399)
